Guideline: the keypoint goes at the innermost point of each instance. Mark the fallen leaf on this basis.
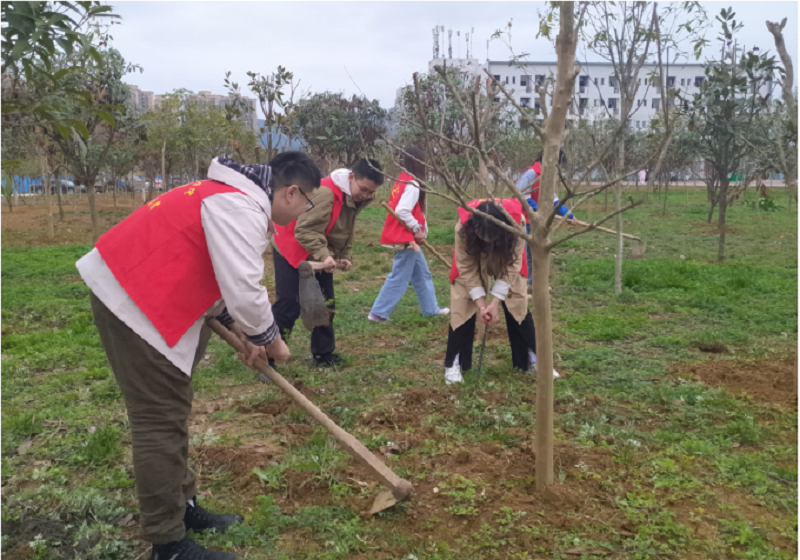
(209, 409)
(435, 490)
(736, 444)
(4, 357)
(208, 356)
(356, 290)
(581, 550)
(91, 429)
(438, 362)
(627, 534)
(51, 422)
(42, 463)
(381, 277)
(24, 447)
(126, 521)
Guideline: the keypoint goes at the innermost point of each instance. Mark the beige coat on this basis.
(474, 273)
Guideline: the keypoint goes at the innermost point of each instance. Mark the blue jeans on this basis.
(408, 266)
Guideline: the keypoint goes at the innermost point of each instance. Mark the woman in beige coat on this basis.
(483, 250)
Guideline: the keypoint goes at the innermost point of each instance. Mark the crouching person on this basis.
(194, 252)
(483, 250)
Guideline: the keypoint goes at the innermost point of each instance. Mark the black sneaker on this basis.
(186, 549)
(198, 520)
(328, 360)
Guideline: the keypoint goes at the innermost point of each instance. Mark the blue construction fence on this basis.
(27, 185)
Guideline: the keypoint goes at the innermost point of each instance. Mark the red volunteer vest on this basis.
(513, 207)
(288, 245)
(535, 188)
(160, 257)
(395, 231)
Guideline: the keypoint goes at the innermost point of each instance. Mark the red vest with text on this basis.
(284, 238)
(513, 207)
(535, 188)
(160, 257)
(395, 231)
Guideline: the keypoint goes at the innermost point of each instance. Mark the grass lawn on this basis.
(676, 418)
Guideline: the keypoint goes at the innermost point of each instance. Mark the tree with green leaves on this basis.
(48, 43)
(99, 121)
(338, 130)
(729, 112)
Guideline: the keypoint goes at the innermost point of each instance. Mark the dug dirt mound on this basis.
(767, 381)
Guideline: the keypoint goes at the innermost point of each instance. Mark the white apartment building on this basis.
(597, 95)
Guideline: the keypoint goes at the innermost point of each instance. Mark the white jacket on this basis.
(236, 227)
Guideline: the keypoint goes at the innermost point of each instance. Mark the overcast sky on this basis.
(379, 44)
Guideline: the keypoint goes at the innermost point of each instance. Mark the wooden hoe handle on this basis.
(423, 242)
(400, 488)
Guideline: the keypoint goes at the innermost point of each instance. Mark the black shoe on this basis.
(198, 520)
(328, 360)
(186, 549)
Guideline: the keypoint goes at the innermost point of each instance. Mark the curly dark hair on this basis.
(483, 236)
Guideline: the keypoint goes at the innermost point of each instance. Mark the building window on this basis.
(698, 81)
(644, 102)
(497, 100)
(638, 124)
(595, 81)
(525, 101)
(670, 81)
(656, 104)
(683, 81)
(523, 82)
(596, 102)
(506, 80)
(513, 79)
(496, 77)
(602, 81)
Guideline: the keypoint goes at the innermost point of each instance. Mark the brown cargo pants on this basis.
(158, 397)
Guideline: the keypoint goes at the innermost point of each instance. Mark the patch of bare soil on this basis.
(767, 381)
(26, 225)
(239, 462)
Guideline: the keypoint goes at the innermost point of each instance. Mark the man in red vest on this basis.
(192, 253)
(325, 234)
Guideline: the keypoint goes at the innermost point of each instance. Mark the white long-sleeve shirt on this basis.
(236, 227)
(405, 206)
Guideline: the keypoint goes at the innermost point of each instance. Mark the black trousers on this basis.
(521, 336)
(287, 309)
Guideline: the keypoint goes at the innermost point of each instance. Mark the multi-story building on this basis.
(145, 101)
(597, 93)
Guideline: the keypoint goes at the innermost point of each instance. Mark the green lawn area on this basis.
(663, 450)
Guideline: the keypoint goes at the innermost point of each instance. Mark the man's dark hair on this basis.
(562, 157)
(295, 168)
(368, 169)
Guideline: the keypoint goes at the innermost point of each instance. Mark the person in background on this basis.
(484, 250)
(324, 234)
(409, 264)
(528, 184)
(193, 253)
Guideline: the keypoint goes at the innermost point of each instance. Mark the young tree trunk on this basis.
(93, 211)
(163, 166)
(540, 250)
(75, 190)
(114, 184)
(723, 208)
(46, 187)
(543, 319)
(618, 222)
(58, 198)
